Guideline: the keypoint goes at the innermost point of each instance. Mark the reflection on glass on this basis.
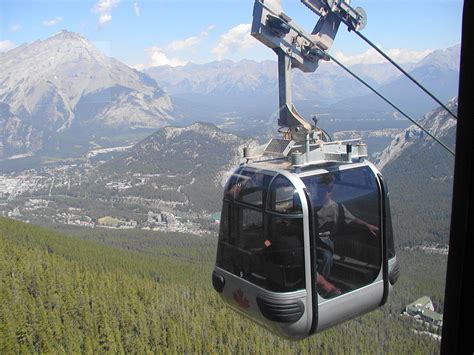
(346, 218)
(262, 241)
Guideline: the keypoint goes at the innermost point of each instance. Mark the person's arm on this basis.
(349, 218)
(372, 229)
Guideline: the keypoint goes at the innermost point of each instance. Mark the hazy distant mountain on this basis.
(64, 84)
(329, 84)
(438, 72)
(253, 80)
(243, 95)
(419, 173)
(62, 91)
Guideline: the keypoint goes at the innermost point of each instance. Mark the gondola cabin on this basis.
(305, 237)
(304, 248)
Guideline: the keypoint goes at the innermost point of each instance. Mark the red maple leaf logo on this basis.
(240, 299)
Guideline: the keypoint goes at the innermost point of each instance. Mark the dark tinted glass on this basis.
(251, 188)
(232, 185)
(250, 230)
(285, 253)
(224, 228)
(389, 229)
(346, 216)
(283, 197)
(263, 247)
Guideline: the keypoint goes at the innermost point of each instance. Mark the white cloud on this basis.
(136, 9)
(236, 38)
(400, 55)
(184, 44)
(104, 8)
(104, 19)
(189, 42)
(157, 57)
(15, 27)
(6, 45)
(52, 22)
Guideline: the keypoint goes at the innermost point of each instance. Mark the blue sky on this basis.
(150, 32)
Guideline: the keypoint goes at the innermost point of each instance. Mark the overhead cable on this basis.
(404, 72)
(390, 103)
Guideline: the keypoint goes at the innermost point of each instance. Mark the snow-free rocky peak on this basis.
(438, 122)
(65, 83)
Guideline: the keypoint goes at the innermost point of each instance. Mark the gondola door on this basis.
(347, 242)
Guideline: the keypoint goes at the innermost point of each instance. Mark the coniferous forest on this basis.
(107, 291)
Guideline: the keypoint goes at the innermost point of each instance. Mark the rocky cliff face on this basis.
(419, 174)
(438, 122)
(16, 136)
(64, 84)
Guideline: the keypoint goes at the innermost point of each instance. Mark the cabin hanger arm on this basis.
(295, 48)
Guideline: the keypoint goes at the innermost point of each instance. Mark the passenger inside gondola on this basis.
(335, 224)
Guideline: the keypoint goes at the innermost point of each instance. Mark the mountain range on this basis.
(243, 96)
(253, 80)
(186, 167)
(438, 72)
(62, 94)
(252, 86)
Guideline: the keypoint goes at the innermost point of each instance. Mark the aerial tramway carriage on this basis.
(305, 237)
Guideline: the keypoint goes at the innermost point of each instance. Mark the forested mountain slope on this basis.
(188, 165)
(61, 294)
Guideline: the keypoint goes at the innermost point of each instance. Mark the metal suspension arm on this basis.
(295, 49)
(288, 116)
